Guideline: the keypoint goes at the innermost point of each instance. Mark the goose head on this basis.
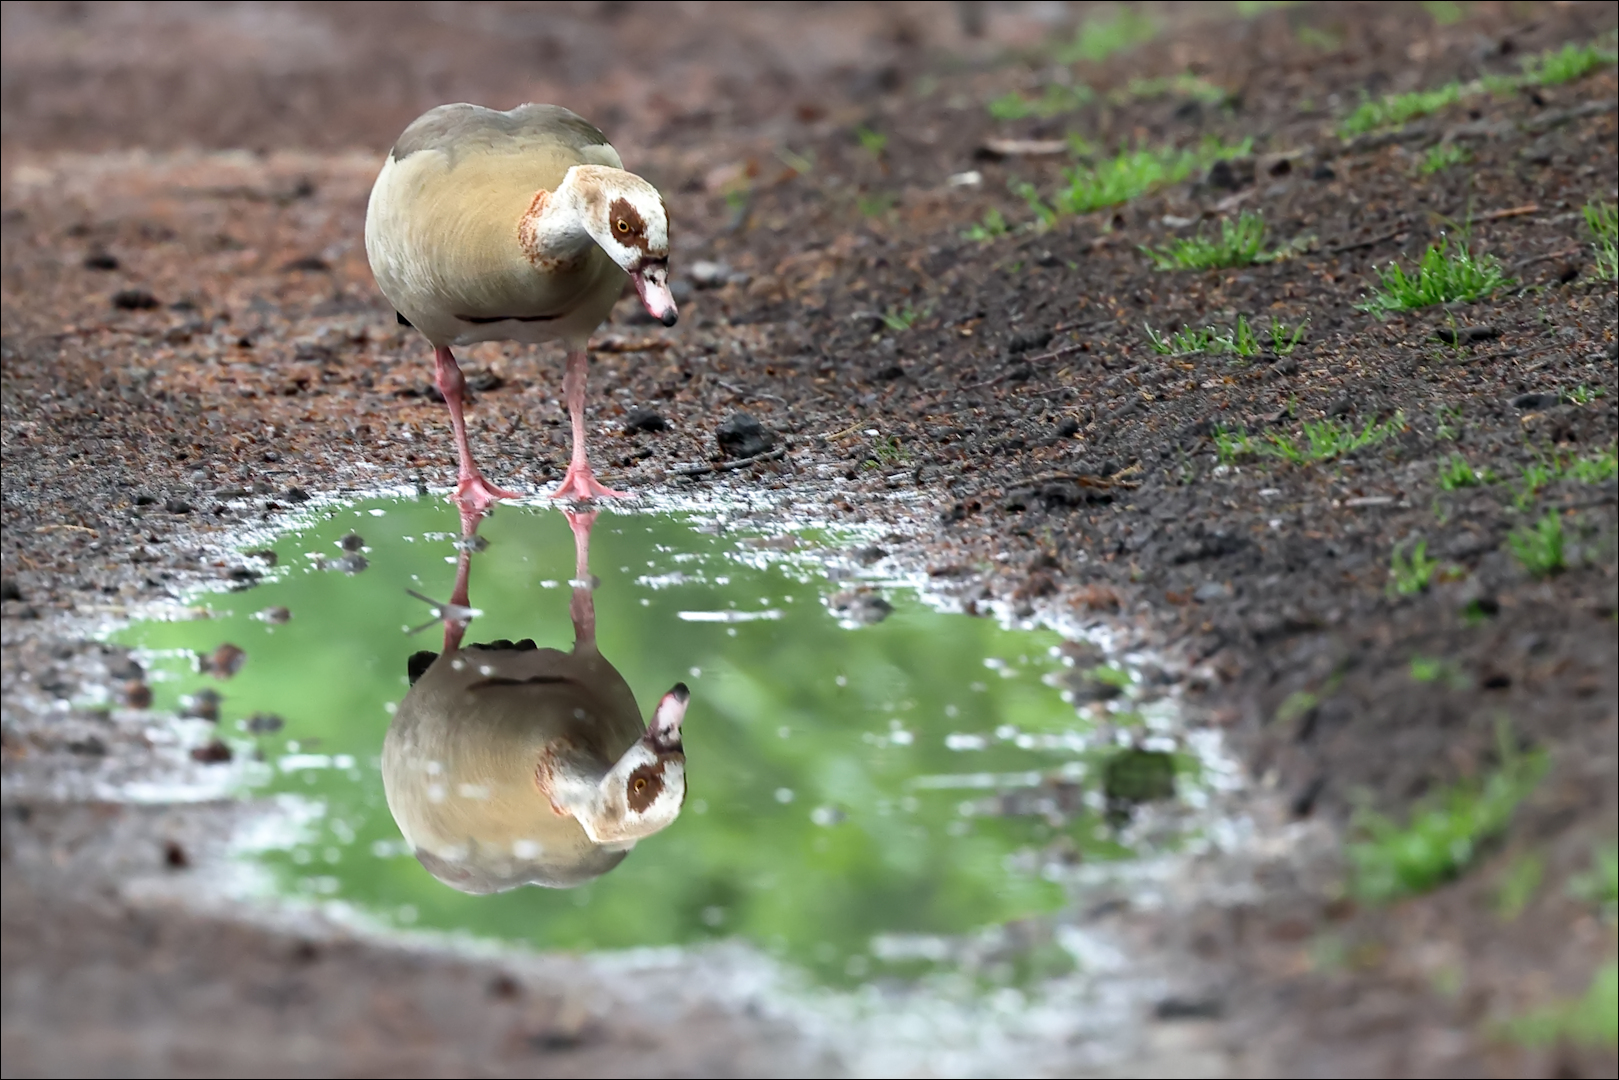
(627, 219)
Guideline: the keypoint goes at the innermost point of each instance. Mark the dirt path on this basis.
(191, 339)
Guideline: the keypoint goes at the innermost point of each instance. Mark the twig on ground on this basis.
(727, 466)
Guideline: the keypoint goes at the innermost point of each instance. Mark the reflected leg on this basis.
(583, 605)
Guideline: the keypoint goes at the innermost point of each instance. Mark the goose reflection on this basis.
(509, 764)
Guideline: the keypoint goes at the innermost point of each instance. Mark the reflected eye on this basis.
(623, 226)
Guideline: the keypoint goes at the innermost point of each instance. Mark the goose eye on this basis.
(640, 784)
(623, 226)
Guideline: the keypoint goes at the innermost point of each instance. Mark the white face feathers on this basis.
(645, 789)
(627, 218)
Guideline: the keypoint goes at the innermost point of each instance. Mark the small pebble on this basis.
(133, 300)
(137, 695)
(204, 705)
(706, 274)
(214, 752)
(742, 436)
(226, 661)
(352, 542)
(263, 723)
(644, 420)
(275, 615)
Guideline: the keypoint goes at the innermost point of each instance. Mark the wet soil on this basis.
(192, 341)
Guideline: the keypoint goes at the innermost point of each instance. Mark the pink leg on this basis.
(583, 605)
(473, 493)
(455, 628)
(580, 482)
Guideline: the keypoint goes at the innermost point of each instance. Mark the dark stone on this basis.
(177, 506)
(1536, 401)
(742, 436)
(1451, 336)
(888, 374)
(484, 381)
(1177, 1008)
(352, 542)
(264, 723)
(9, 589)
(644, 420)
(133, 300)
(297, 495)
(308, 263)
(1323, 171)
(1067, 428)
(214, 752)
(100, 260)
(1028, 341)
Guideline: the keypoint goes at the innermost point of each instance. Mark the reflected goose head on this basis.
(508, 764)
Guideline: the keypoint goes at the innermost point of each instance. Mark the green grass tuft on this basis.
(1444, 12)
(1411, 574)
(1545, 69)
(993, 225)
(901, 319)
(1519, 885)
(1456, 473)
(1105, 33)
(1240, 340)
(1444, 832)
(1549, 469)
(1239, 243)
(1443, 276)
(1395, 109)
(1132, 173)
(1600, 884)
(1442, 156)
(1603, 221)
(1282, 340)
(1318, 441)
(1540, 547)
(873, 142)
(1183, 342)
(1054, 101)
(1591, 1020)
(1571, 62)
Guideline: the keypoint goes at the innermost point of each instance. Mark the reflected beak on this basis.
(663, 735)
(652, 285)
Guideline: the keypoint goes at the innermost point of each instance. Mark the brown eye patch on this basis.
(646, 784)
(629, 224)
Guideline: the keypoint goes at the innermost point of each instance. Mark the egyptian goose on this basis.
(508, 764)
(513, 226)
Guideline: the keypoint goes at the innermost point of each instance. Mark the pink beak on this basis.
(664, 732)
(652, 284)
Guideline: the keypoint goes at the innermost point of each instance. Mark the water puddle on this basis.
(875, 788)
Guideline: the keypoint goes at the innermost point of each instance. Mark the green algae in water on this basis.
(848, 784)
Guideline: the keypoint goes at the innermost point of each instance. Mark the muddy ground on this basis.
(192, 340)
